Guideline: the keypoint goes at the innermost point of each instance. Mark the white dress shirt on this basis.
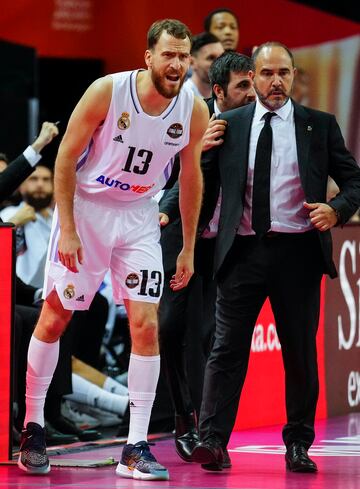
(31, 264)
(32, 156)
(287, 212)
(213, 226)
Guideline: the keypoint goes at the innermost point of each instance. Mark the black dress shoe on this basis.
(66, 426)
(54, 437)
(297, 459)
(209, 454)
(186, 435)
(225, 465)
(227, 460)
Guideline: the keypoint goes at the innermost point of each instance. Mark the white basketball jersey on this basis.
(131, 154)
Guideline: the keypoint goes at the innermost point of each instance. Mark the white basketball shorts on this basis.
(125, 240)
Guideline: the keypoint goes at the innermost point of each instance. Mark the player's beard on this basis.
(159, 82)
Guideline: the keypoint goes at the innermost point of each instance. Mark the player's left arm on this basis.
(191, 185)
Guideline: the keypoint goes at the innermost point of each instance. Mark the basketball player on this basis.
(113, 159)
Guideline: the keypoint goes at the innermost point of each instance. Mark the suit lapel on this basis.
(303, 132)
(241, 138)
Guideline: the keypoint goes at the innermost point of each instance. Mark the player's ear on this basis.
(148, 58)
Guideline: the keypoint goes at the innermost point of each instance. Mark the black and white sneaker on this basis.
(137, 462)
(33, 458)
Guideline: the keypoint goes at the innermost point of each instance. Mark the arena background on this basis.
(66, 44)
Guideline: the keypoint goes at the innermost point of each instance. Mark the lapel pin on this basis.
(309, 128)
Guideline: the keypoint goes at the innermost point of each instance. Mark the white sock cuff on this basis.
(42, 357)
(43, 344)
(144, 358)
(142, 396)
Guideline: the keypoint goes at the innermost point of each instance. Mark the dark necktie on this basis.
(261, 185)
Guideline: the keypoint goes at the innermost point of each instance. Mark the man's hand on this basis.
(25, 214)
(213, 134)
(322, 216)
(163, 219)
(70, 250)
(47, 134)
(184, 270)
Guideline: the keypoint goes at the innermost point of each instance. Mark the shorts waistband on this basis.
(102, 200)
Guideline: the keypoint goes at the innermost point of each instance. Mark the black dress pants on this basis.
(287, 268)
(186, 328)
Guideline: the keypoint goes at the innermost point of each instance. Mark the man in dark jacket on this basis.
(187, 317)
(274, 241)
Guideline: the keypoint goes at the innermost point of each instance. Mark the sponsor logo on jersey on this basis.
(118, 139)
(81, 298)
(175, 130)
(132, 280)
(169, 143)
(69, 292)
(124, 121)
(113, 183)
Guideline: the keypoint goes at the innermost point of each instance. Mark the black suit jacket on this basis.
(15, 173)
(321, 153)
(171, 235)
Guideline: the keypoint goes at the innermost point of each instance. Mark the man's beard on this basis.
(271, 104)
(158, 81)
(38, 203)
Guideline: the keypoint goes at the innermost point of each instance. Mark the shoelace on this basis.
(145, 450)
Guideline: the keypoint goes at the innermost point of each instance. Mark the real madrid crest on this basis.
(124, 121)
(69, 292)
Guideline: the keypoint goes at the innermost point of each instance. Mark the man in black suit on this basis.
(274, 241)
(13, 174)
(187, 317)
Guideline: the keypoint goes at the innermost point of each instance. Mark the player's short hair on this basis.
(272, 44)
(172, 26)
(228, 62)
(210, 15)
(201, 40)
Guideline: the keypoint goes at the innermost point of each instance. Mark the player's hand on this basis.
(48, 132)
(163, 219)
(25, 214)
(322, 216)
(213, 134)
(70, 251)
(184, 270)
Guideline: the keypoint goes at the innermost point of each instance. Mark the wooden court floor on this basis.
(257, 457)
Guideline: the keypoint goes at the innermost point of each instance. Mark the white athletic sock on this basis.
(42, 361)
(88, 393)
(143, 378)
(112, 385)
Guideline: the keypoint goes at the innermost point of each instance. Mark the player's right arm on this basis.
(89, 113)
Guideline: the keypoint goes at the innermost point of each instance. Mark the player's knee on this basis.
(53, 320)
(145, 332)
